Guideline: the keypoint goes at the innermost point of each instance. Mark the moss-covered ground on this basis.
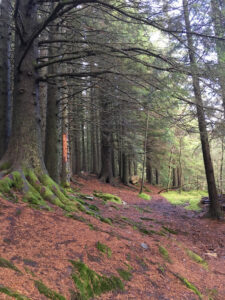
(190, 199)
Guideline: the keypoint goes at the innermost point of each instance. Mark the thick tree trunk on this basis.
(4, 76)
(214, 209)
(156, 176)
(24, 149)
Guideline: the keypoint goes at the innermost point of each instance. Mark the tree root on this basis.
(39, 190)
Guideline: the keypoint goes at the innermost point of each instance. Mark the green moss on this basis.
(18, 181)
(164, 253)
(93, 207)
(189, 285)
(108, 197)
(91, 284)
(144, 196)
(125, 275)
(5, 166)
(5, 185)
(43, 289)
(4, 263)
(105, 220)
(196, 258)
(190, 199)
(33, 197)
(104, 249)
(11, 293)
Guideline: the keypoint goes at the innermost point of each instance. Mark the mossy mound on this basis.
(11, 293)
(108, 197)
(4, 263)
(43, 289)
(195, 257)
(144, 196)
(104, 249)
(91, 284)
(164, 254)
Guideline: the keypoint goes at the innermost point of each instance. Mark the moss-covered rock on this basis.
(91, 284)
(108, 197)
(144, 196)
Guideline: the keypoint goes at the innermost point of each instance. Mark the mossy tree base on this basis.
(37, 189)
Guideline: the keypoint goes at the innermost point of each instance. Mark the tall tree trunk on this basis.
(106, 174)
(4, 76)
(145, 150)
(214, 209)
(52, 136)
(24, 149)
(125, 178)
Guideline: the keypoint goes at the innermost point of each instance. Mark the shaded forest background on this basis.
(108, 87)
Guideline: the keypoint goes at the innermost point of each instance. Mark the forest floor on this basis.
(152, 241)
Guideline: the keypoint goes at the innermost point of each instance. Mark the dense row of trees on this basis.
(101, 86)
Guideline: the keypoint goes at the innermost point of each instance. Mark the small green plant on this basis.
(43, 289)
(11, 293)
(125, 275)
(144, 196)
(91, 284)
(189, 285)
(4, 263)
(196, 258)
(164, 253)
(104, 249)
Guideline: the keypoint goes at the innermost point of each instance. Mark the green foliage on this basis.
(164, 253)
(144, 196)
(91, 284)
(43, 289)
(108, 197)
(11, 293)
(196, 258)
(191, 198)
(189, 285)
(4, 263)
(125, 275)
(104, 249)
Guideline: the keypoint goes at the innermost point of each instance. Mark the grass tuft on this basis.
(108, 197)
(11, 293)
(125, 275)
(104, 249)
(43, 289)
(4, 263)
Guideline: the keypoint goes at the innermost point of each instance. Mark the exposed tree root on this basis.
(36, 189)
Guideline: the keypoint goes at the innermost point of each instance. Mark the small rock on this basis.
(124, 203)
(145, 246)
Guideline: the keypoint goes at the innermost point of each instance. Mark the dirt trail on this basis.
(41, 243)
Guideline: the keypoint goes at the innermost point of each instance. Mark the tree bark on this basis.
(214, 209)
(4, 76)
(24, 149)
